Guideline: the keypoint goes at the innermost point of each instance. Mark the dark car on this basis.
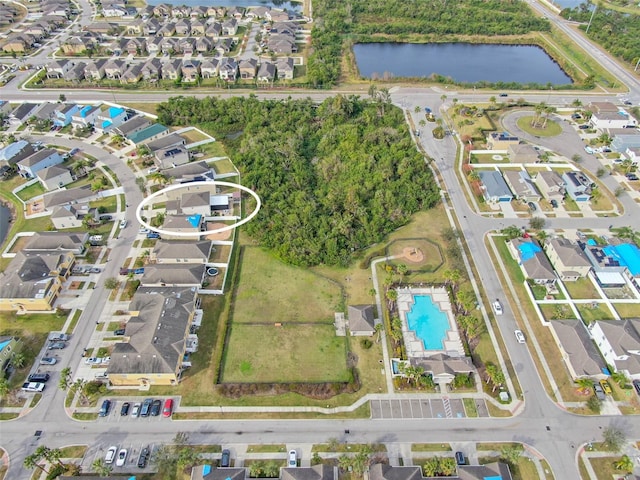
(124, 411)
(56, 346)
(636, 385)
(503, 95)
(146, 406)
(153, 235)
(460, 458)
(225, 460)
(532, 206)
(119, 331)
(38, 377)
(631, 176)
(104, 409)
(583, 127)
(143, 458)
(554, 203)
(155, 408)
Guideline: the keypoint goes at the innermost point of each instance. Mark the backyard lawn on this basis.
(270, 291)
(582, 289)
(627, 310)
(31, 191)
(290, 353)
(601, 312)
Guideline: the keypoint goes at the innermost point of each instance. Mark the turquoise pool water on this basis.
(428, 322)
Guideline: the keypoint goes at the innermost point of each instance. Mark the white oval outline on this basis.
(161, 231)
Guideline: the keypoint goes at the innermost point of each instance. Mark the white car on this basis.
(519, 336)
(123, 223)
(293, 459)
(497, 307)
(111, 455)
(135, 413)
(122, 458)
(93, 361)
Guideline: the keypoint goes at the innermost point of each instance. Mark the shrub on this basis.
(366, 343)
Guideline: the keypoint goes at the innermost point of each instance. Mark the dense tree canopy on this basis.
(618, 32)
(334, 178)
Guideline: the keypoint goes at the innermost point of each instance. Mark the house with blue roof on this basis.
(61, 116)
(109, 118)
(577, 185)
(8, 345)
(532, 260)
(14, 152)
(85, 116)
(495, 189)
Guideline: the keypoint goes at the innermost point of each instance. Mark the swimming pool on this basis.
(429, 323)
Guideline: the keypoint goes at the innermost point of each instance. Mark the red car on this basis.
(168, 407)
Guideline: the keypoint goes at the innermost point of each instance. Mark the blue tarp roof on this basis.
(194, 220)
(528, 250)
(493, 477)
(4, 344)
(206, 469)
(115, 111)
(592, 242)
(106, 123)
(626, 254)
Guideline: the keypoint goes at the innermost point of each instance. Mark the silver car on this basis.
(48, 361)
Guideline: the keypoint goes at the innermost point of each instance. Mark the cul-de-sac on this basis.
(320, 240)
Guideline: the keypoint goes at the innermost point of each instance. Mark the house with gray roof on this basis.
(22, 113)
(132, 126)
(45, 111)
(619, 344)
(494, 188)
(521, 185)
(210, 472)
(316, 472)
(567, 258)
(14, 152)
(167, 275)
(577, 186)
(532, 260)
(522, 153)
(171, 157)
(85, 116)
(578, 350)
(58, 242)
(94, 70)
(361, 321)
(181, 251)
(167, 141)
(191, 172)
(157, 333)
(68, 196)
(54, 177)
(28, 167)
(266, 72)
(550, 184)
(489, 471)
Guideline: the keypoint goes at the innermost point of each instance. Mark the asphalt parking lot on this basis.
(424, 408)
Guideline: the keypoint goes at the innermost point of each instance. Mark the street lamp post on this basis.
(592, 14)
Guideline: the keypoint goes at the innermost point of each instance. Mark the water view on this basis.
(567, 3)
(291, 6)
(463, 62)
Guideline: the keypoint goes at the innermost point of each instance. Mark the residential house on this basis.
(204, 45)
(75, 73)
(5, 108)
(274, 15)
(151, 27)
(46, 111)
(256, 13)
(580, 355)
(614, 265)
(216, 11)
(197, 12)
(285, 68)
(167, 30)
(94, 70)
(167, 141)
(247, 68)
(602, 107)
(282, 44)
(14, 152)
(133, 74)
(624, 138)
(361, 321)
(148, 134)
(169, 46)
(214, 31)
(22, 113)
(223, 46)
(208, 472)
(63, 114)
(162, 10)
(113, 10)
(501, 141)
(567, 258)
(494, 188)
(606, 120)
(266, 72)
(577, 186)
(191, 172)
(172, 70)
(58, 68)
(78, 44)
(182, 224)
(57, 242)
(521, 185)
(154, 45)
(171, 157)
(33, 280)
(183, 27)
(195, 203)
(186, 46)
(633, 154)
(198, 27)
(72, 216)
(550, 184)
(102, 28)
(157, 334)
(237, 13)
(181, 251)
(67, 196)
(230, 26)
(532, 260)
(522, 153)
(131, 126)
(8, 346)
(38, 31)
(489, 471)
(114, 69)
(109, 118)
(169, 276)
(136, 27)
(228, 69)
(54, 177)
(28, 167)
(85, 116)
(18, 43)
(181, 11)
(135, 46)
(619, 344)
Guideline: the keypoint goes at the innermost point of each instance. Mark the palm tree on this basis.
(584, 382)
(378, 327)
(345, 462)
(577, 103)
(392, 296)
(620, 378)
(625, 464)
(4, 387)
(65, 379)
(32, 461)
(159, 177)
(511, 453)
(101, 468)
(17, 359)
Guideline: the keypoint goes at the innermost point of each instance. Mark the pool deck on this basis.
(415, 347)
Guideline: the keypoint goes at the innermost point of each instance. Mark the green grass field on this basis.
(270, 291)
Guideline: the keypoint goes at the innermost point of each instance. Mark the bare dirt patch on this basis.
(413, 254)
(220, 235)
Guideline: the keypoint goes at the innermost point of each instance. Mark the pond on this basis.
(463, 62)
(290, 6)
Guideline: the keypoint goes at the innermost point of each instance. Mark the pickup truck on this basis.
(58, 337)
(33, 387)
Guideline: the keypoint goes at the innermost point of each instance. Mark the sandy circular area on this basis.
(218, 236)
(413, 255)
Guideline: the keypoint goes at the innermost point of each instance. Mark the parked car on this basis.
(460, 458)
(576, 116)
(104, 409)
(153, 235)
(106, 218)
(122, 457)
(554, 203)
(584, 126)
(168, 408)
(293, 459)
(503, 95)
(144, 457)
(636, 385)
(497, 307)
(519, 336)
(58, 337)
(155, 408)
(123, 223)
(631, 176)
(56, 346)
(93, 361)
(606, 387)
(532, 206)
(48, 361)
(139, 271)
(119, 332)
(146, 406)
(225, 460)
(628, 102)
(124, 410)
(598, 391)
(135, 412)
(111, 455)
(35, 387)
(38, 377)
